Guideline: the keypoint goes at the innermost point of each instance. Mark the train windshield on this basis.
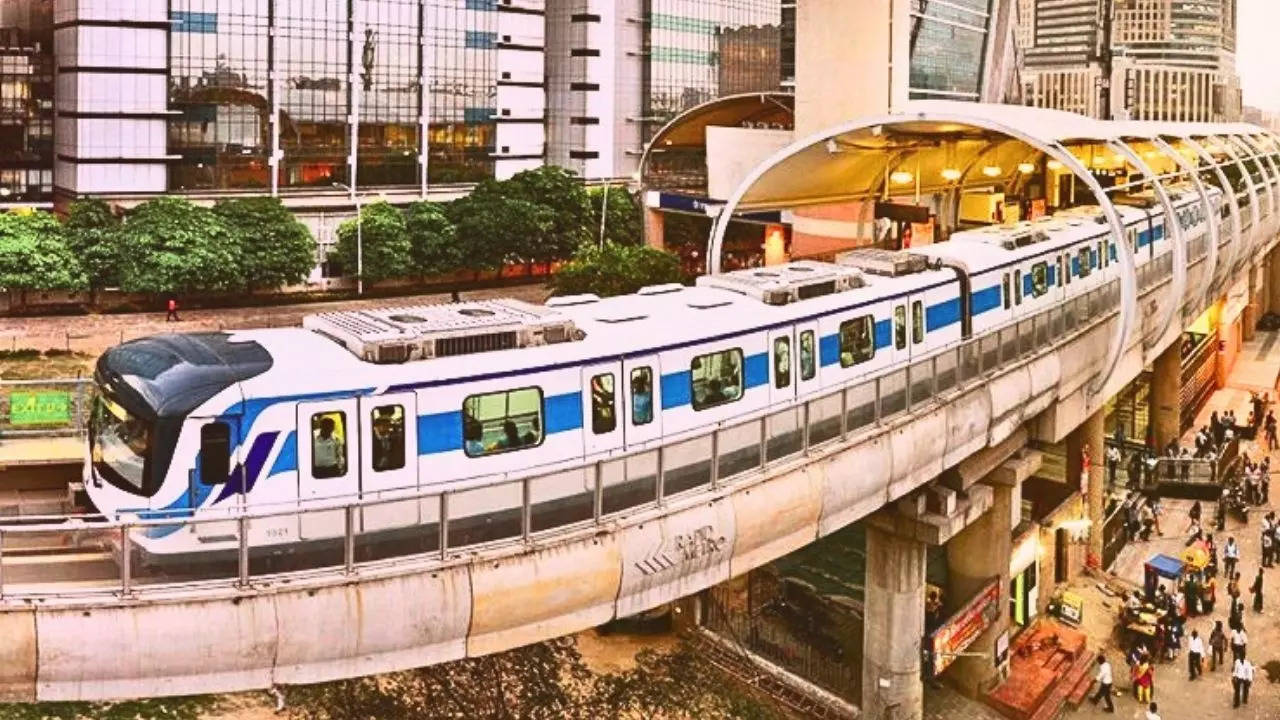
(121, 442)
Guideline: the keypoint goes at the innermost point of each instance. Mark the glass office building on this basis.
(26, 101)
(948, 48)
(698, 50)
(237, 64)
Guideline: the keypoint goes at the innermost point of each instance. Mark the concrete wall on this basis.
(408, 614)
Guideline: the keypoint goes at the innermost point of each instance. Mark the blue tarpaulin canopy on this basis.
(1165, 566)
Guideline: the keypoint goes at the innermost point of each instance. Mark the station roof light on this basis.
(992, 171)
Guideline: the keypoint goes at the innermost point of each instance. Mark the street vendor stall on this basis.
(1161, 566)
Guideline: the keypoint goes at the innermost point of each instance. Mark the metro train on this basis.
(372, 403)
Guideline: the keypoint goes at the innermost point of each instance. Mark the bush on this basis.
(616, 270)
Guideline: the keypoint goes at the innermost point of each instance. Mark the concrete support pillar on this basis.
(1249, 317)
(1166, 397)
(978, 554)
(654, 228)
(845, 46)
(1273, 280)
(1090, 436)
(893, 627)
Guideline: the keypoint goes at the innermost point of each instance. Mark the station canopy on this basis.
(975, 144)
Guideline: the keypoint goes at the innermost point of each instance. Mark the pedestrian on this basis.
(1230, 556)
(1195, 651)
(1267, 549)
(1217, 646)
(172, 315)
(1113, 461)
(1144, 679)
(1209, 595)
(1151, 712)
(1239, 642)
(1248, 679)
(1256, 589)
(1156, 512)
(1104, 684)
(453, 296)
(1238, 675)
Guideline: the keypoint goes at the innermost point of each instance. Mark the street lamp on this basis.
(359, 237)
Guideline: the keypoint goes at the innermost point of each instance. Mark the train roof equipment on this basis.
(887, 263)
(420, 332)
(788, 282)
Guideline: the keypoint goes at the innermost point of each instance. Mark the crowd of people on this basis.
(1185, 618)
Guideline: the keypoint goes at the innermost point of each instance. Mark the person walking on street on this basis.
(1217, 646)
(1239, 643)
(1248, 680)
(1195, 651)
(1231, 556)
(1104, 684)
(1237, 681)
(172, 306)
(1256, 589)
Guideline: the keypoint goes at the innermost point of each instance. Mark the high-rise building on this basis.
(26, 102)
(618, 70)
(1138, 59)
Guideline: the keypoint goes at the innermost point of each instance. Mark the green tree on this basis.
(616, 270)
(275, 249)
(92, 232)
(494, 229)
(385, 241)
(561, 193)
(624, 224)
(170, 245)
(433, 240)
(34, 254)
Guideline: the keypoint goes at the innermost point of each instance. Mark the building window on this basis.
(502, 421)
(328, 445)
(483, 40)
(388, 438)
(716, 378)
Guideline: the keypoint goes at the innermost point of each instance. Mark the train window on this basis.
(808, 366)
(502, 421)
(900, 327)
(716, 378)
(604, 415)
(388, 437)
(1017, 286)
(1039, 279)
(857, 341)
(1064, 269)
(917, 322)
(328, 445)
(215, 453)
(1085, 260)
(1008, 298)
(641, 396)
(782, 362)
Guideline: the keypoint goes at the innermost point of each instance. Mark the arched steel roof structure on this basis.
(686, 133)
(981, 145)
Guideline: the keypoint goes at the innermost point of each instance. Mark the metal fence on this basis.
(45, 408)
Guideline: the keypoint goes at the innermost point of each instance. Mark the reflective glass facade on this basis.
(948, 48)
(223, 54)
(699, 50)
(26, 100)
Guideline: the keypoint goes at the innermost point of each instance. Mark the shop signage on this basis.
(40, 408)
(960, 630)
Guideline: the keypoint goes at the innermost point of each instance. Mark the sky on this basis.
(1257, 54)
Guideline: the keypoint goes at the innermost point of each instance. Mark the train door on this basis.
(328, 463)
(643, 415)
(805, 359)
(602, 408)
(388, 460)
(782, 366)
(218, 478)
